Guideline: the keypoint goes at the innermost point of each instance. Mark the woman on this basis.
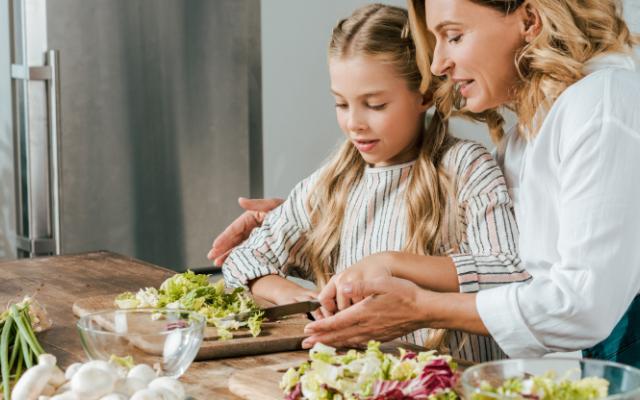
(567, 69)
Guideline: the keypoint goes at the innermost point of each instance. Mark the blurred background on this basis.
(134, 125)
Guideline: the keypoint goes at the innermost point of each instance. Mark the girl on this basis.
(569, 70)
(393, 186)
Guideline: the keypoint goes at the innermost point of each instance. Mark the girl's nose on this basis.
(356, 122)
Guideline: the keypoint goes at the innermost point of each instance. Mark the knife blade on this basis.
(276, 312)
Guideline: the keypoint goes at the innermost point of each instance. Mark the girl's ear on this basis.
(427, 101)
(531, 23)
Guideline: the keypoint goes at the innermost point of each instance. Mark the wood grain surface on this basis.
(57, 282)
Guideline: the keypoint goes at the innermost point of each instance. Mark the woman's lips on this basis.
(465, 87)
(365, 146)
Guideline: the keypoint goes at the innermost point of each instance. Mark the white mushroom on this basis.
(64, 388)
(114, 396)
(65, 396)
(92, 382)
(129, 386)
(172, 385)
(143, 372)
(103, 365)
(32, 383)
(48, 391)
(47, 359)
(71, 370)
(147, 394)
(57, 377)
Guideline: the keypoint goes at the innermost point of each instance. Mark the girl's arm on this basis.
(273, 248)
(279, 290)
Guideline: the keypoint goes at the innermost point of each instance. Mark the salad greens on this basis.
(194, 292)
(371, 375)
(546, 387)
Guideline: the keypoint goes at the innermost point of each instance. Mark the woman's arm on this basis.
(240, 229)
(393, 307)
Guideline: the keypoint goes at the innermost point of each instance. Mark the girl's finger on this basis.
(327, 296)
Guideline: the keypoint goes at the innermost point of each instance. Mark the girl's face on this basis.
(476, 47)
(376, 110)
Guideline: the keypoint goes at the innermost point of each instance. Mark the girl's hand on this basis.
(337, 294)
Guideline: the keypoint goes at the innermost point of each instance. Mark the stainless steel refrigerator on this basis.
(127, 125)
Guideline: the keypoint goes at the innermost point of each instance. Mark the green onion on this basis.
(19, 347)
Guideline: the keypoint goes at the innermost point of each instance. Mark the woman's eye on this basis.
(454, 39)
(377, 107)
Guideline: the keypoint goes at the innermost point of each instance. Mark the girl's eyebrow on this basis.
(365, 95)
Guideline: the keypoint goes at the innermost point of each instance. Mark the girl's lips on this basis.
(365, 146)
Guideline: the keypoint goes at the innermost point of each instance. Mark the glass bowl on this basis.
(168, 340)
(624, 381)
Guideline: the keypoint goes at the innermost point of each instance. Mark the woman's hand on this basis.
(390, 309)
(239, 230)
(336, 296)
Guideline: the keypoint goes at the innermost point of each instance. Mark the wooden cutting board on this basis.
(283, 335)
(262, 383)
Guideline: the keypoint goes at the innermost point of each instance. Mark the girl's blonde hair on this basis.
(382, 33)
(572, 32)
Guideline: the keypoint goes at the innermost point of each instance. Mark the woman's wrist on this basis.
(449, 311)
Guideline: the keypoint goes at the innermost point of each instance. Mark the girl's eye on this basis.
(341, 105)
(377, 107)
(454, 39)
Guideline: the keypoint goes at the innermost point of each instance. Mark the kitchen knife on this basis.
(276, 312)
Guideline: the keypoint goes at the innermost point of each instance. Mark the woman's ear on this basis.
(531, 22)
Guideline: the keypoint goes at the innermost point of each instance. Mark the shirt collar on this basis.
(629, 61)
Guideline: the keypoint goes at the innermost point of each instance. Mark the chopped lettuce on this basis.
(370, 375)
(546, 387)
(194, 292)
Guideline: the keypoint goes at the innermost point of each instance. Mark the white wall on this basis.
(299, 127)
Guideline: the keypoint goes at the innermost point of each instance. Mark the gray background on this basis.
(300, 128)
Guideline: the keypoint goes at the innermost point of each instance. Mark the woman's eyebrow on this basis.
(445, 23)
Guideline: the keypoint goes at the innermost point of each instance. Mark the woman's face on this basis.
(376, 110)
(476, 47)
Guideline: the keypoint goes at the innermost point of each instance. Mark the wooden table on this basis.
(58, 281)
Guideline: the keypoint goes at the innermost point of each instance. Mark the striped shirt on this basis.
(478, 232)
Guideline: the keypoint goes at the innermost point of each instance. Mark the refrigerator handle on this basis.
(53, 58)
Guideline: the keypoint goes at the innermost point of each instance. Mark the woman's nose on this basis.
(441, 63)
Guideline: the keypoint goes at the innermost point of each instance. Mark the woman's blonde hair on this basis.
(572, 32)
(382, 33)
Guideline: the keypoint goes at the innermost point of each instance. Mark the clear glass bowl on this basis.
(167, 340)
(624, 381)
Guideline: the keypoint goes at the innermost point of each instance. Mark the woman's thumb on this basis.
(264, 205)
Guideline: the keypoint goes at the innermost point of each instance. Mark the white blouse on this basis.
(576, 190)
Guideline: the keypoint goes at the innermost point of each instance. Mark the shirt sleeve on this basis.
(274, 247)
(488, 257)
(587, 290)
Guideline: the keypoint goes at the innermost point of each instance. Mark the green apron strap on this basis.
(623, 344)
